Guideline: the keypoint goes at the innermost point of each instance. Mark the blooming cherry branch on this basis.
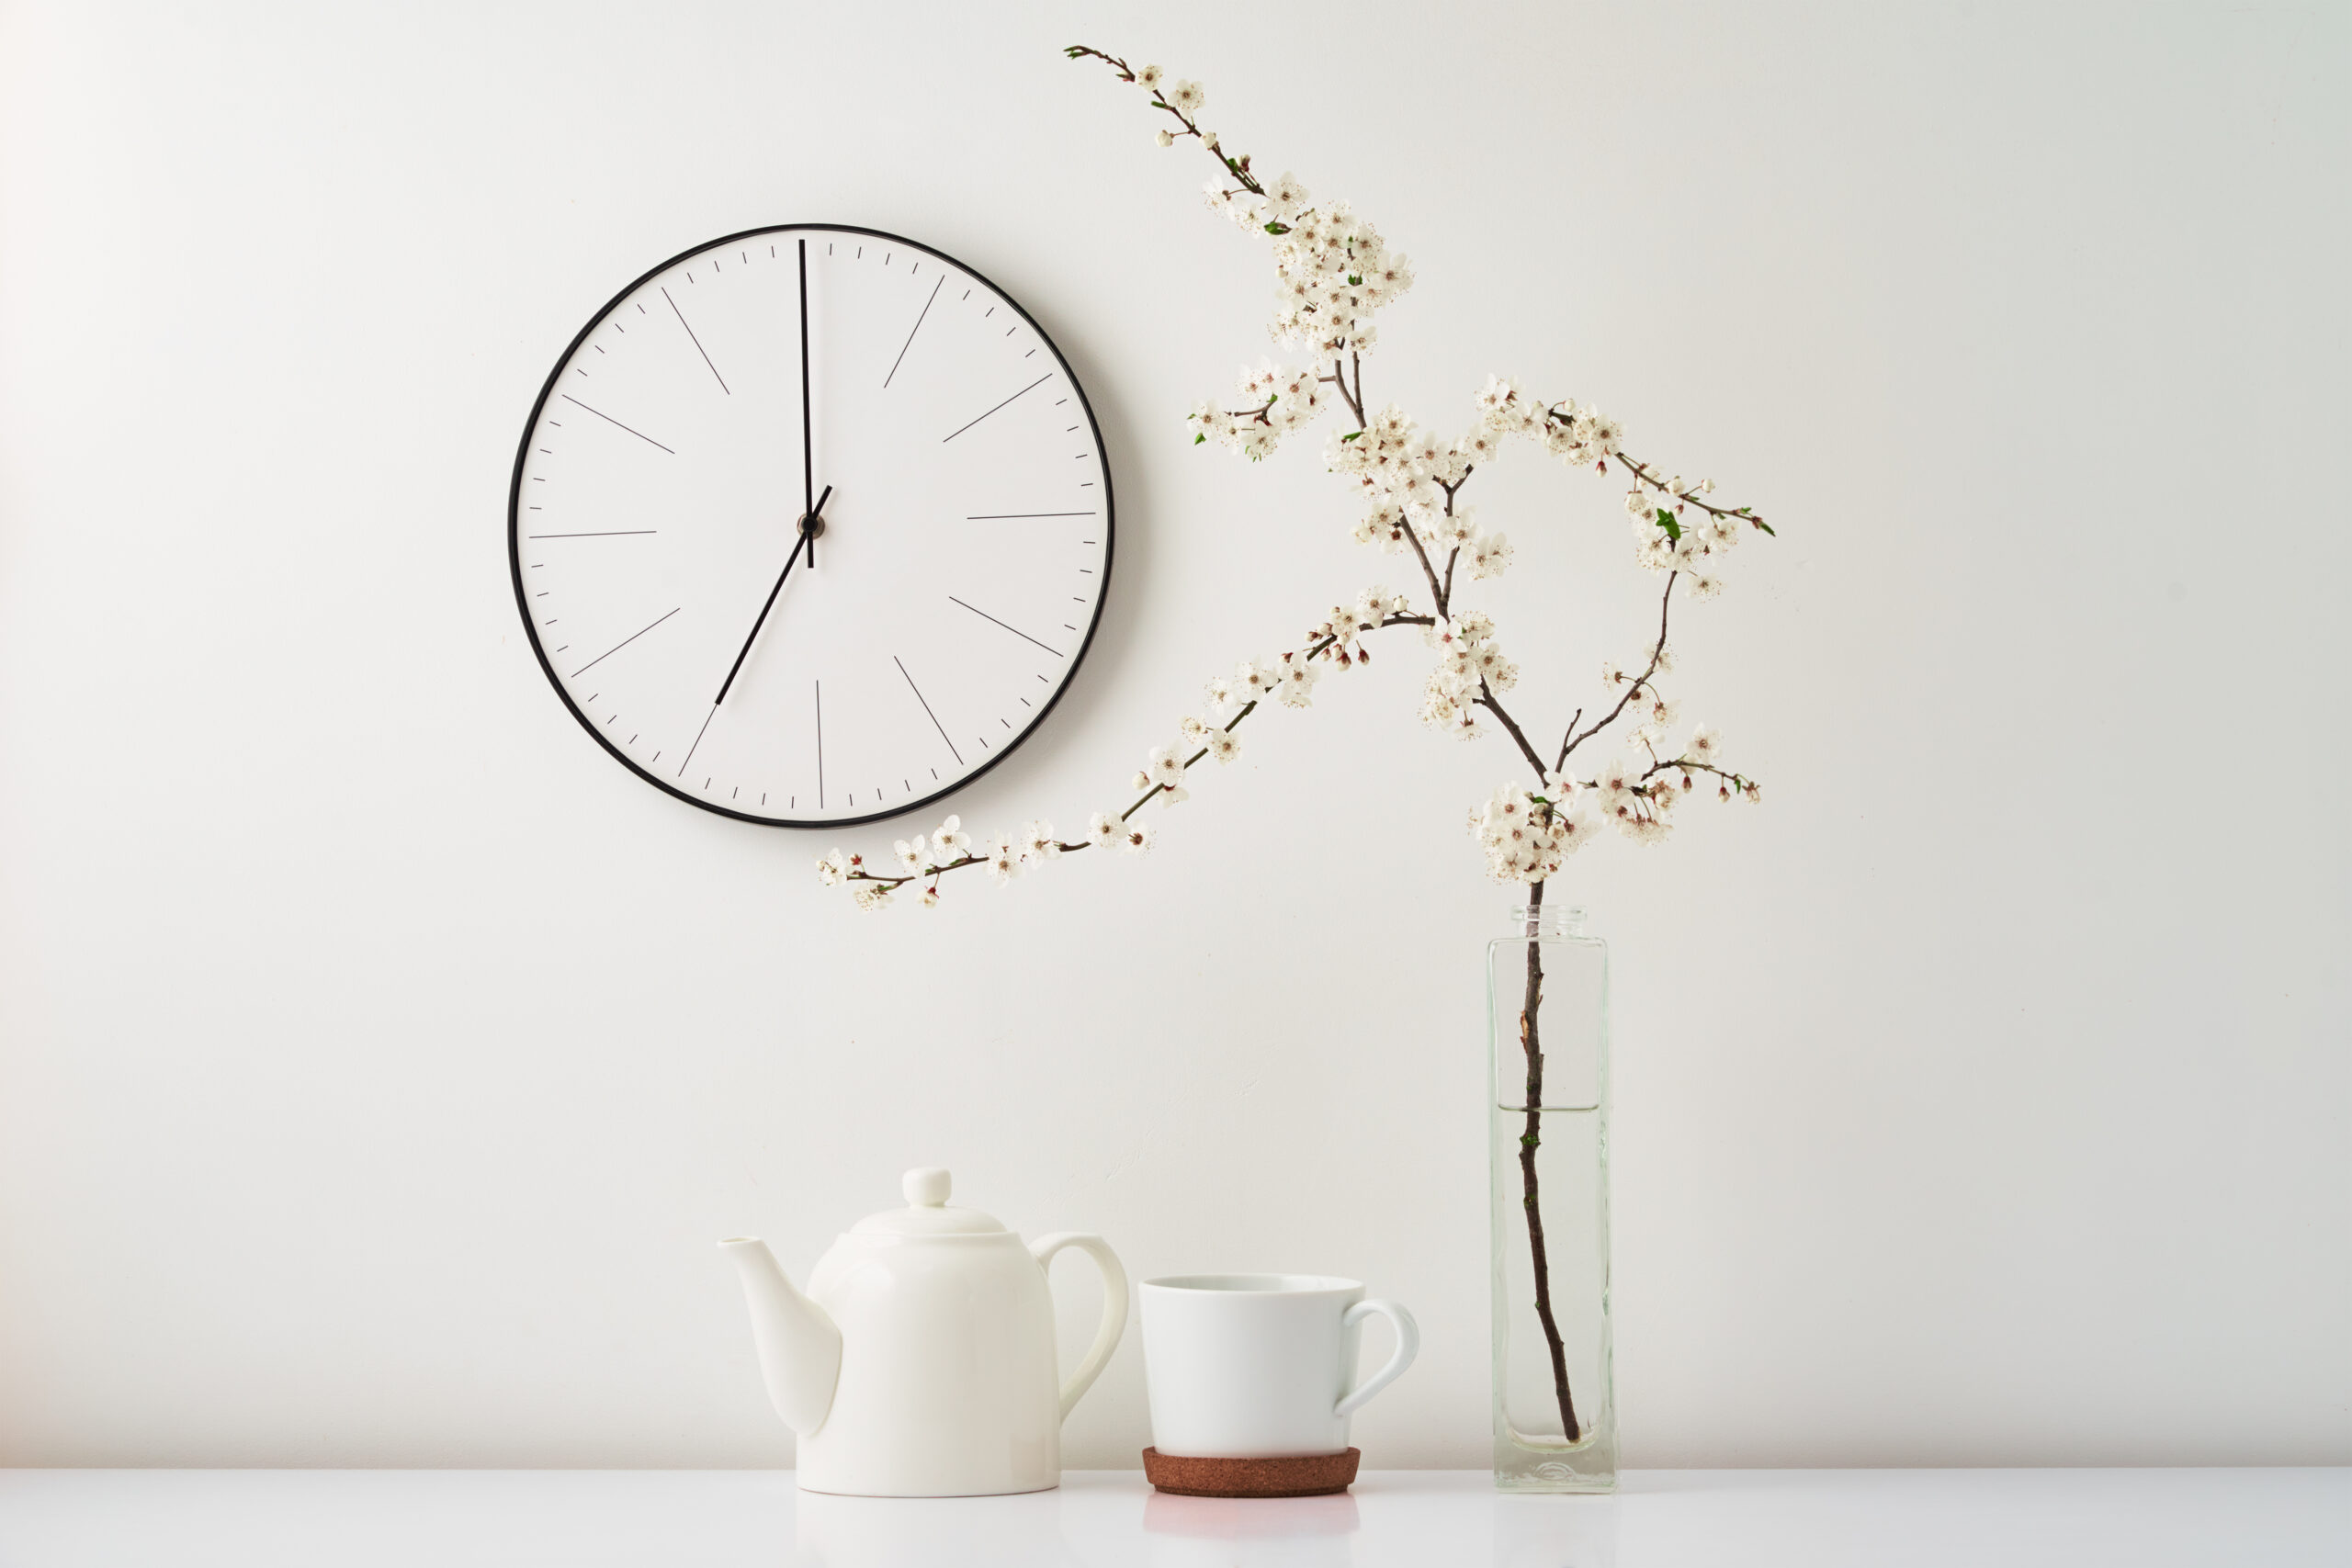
(1333, 272)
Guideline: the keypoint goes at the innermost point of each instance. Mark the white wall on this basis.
(377, 1060)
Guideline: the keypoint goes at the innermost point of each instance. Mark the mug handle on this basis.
(1408, 1345)
(1115, 1307)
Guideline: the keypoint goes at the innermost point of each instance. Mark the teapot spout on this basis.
(800, 1350)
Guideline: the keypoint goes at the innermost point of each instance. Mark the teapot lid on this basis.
(927, 1213)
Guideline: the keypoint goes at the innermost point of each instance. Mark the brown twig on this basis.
(1655, 654)
(1314, 649)
(1529, 1140)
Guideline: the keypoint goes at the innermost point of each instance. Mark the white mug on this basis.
(1257, 1366)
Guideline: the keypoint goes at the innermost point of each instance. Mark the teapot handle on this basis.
(1115, 1307)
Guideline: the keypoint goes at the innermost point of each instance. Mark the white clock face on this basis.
(831, 674)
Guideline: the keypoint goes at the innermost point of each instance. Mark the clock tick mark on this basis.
(927, 713)
(623, 643)
(911, 336)
(697, 342)
(1030, 388)
(697, 745)
(1016, 631)
(608, 419)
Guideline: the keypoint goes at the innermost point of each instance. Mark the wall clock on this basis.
(810, 525)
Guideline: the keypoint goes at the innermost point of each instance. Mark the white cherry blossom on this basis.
(1003, 858)
(1333, 272)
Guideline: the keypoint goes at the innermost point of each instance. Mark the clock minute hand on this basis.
(809, 525)
(808, 457)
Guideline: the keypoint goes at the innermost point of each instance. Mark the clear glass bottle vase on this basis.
(1547, 1028)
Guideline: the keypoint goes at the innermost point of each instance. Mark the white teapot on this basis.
(921, 1362)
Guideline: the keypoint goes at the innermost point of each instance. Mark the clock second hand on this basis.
(811, 525)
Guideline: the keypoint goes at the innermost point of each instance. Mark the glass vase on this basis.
(1547, 1028)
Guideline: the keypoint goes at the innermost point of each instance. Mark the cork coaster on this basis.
(1308, 1475)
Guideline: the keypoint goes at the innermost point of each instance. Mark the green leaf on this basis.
(1351, 435)
(1198, 437)
(1665, 521)
(1766, 526)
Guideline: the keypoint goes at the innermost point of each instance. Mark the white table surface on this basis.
(1982, 1519)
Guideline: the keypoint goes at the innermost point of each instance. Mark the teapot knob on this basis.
(925, 1186)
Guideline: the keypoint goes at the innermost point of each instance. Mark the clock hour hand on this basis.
(811, 526)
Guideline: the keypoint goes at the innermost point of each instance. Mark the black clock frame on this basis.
(514, 526)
